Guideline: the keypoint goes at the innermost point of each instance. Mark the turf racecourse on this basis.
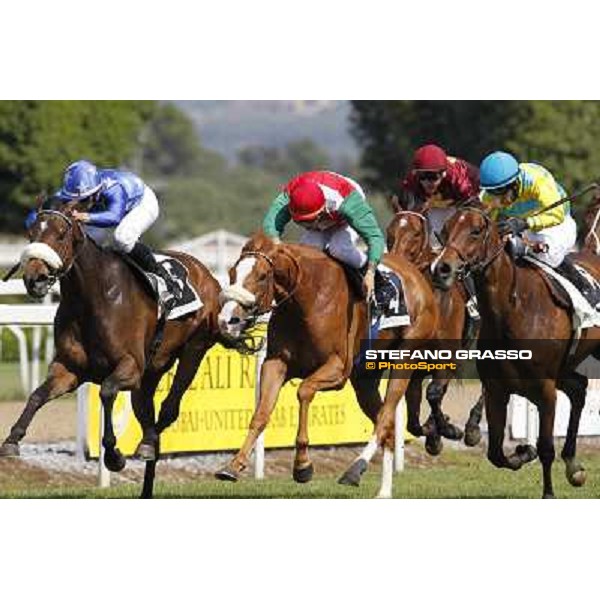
(463, 475)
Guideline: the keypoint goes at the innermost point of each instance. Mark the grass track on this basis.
(466, 475)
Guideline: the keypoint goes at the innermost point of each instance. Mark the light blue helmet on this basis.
(81, 181)
(497, 170)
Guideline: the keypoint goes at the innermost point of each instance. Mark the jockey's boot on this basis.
(471, 304)
(144, 257)
(589, 291)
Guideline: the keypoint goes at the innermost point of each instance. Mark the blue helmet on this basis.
(498, 169)
(81, 181)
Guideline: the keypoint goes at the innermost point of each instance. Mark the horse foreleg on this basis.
(125, 376)
(328, 376)
(413, 406)
(575, 387)
(545, 446)
(435, 393)
(472, 429)
(496, 403)
(272, 378)
(59, 381)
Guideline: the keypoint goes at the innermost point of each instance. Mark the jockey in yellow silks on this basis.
(516, 192)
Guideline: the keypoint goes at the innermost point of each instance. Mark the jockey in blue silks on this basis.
(123, 207)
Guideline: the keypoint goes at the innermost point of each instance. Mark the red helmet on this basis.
(307, 200)
(430, 158)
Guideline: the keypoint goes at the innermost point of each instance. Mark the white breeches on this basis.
(560, 240)
(124, 236)
(340, 243)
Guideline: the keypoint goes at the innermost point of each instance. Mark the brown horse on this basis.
(104, 332)
(516, 305)
(314, 334)
(408, 235)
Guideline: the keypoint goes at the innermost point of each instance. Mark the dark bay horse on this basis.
(314, 334)
(104, 332)
(517, 305)
(408, 235)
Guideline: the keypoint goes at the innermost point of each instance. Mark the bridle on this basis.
(58, 274)
(256, 311)
(483, 262)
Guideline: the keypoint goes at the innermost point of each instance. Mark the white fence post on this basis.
(259, 448)
(399, 427)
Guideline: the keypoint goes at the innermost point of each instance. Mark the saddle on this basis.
(155, 285)
(569, 294)
(389, 304)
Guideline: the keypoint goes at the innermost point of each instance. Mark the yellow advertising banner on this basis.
(217, 408)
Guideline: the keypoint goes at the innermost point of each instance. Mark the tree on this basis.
(560, 135)
(171, 145)
(296, 157)
(38, 139)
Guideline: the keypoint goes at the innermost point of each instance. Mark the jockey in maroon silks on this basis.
(441, 181)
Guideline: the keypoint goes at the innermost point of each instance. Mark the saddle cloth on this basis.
(390, 304)
(584, 314)
(190, 301)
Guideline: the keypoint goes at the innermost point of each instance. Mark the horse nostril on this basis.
(234, 321)
(42, 278)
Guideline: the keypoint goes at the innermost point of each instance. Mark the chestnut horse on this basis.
(516, 305)
(314, 334)
(408, 235)
(104, 332)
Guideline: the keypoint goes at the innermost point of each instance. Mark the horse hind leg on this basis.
(328, 376)
(575, 386)
(126, 375)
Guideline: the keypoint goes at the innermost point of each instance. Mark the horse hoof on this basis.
(304, 474)
(526, 453)
(146, 452)
(354, 473)
(114, 461)
(434, 445)
(548, 497)
(576, 475)
(452, 432)
(472, 436)
(226, 474)
(9, 450)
